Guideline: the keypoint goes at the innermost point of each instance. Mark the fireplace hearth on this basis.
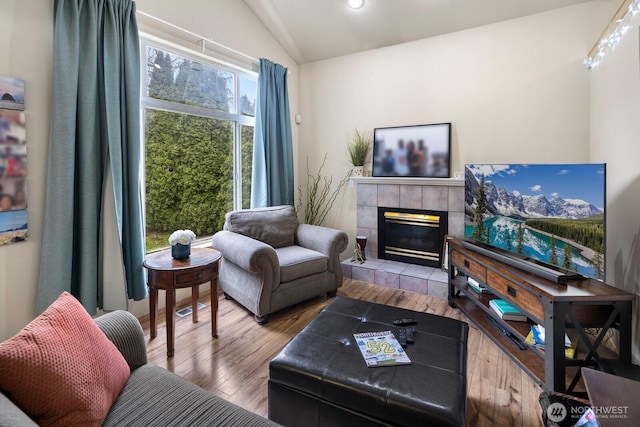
(438, 194)
(411, 235)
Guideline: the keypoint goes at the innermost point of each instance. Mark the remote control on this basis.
(402, 336)
(404, 322)
(410, 332)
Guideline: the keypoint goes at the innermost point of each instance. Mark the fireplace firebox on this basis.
(411, 235)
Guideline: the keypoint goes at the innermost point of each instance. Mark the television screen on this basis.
(552, 213)
(412, 151)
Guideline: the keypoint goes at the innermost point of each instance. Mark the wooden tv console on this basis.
(572, 307)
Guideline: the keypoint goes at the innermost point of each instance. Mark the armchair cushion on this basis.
(297, 262)
(61, 369)
(275, 226)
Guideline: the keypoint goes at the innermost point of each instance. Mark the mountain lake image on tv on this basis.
(552, 213)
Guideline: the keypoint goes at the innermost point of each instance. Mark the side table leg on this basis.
(214, 307)
(153, 311)
(171, 321)
(195, 292)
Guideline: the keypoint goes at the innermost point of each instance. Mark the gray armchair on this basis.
(270, 261)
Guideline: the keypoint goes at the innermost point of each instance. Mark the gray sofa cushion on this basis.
(154, 396)
(12, 416)
(296, 262)
(275, 226)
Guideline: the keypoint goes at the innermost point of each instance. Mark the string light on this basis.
(611, 41)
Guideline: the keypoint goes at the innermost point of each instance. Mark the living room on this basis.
(515, 91)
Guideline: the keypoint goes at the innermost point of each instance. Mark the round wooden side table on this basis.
(170, 274)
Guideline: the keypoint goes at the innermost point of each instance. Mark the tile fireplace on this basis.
(445, 196)
(415, 236)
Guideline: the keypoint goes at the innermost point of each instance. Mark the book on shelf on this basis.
(476, 286)
(538, 335)
(381, 349)
(507, 311)
(533, 339)
(588, 419)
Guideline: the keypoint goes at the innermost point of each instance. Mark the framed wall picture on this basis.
(13, 161)
(11, 93)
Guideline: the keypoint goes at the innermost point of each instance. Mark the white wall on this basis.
(515, 91)
(25, 51)
(615, 130)
(26, 28)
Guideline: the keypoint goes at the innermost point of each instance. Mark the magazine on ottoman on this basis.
(381, 349)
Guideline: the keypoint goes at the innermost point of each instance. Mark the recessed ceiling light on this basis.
(355, 4)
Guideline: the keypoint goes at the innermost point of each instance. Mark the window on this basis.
(198, 137)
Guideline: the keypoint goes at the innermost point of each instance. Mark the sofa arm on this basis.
(247, 253)
(11, 415)
(328, 241)
(124, 330)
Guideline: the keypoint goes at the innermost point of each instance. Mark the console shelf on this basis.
(560, 308)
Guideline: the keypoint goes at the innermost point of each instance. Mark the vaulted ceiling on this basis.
(313, 30)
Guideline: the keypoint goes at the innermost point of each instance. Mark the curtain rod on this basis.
(203, 40)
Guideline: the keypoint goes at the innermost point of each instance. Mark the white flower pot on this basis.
(358, 170)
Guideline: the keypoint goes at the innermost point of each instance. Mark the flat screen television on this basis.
(551, 214)
(421, 151)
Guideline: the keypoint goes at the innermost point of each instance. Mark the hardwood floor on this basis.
(235, 365)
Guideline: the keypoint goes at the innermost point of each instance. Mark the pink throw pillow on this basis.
(61, 369)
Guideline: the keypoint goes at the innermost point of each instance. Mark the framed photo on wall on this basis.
(13, 161)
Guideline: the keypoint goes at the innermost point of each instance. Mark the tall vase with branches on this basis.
(320, 197)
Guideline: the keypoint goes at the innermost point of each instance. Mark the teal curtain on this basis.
(272, 175)
(95, 129)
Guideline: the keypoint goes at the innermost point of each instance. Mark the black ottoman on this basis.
(321, 379)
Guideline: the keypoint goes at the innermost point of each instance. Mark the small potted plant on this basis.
(359, 148)
(180, 241)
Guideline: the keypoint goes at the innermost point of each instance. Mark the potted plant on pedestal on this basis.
(359, 148)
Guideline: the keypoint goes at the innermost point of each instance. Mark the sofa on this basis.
(270, 261)
(149, 396)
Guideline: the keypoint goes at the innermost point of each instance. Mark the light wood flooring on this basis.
(235, 365)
